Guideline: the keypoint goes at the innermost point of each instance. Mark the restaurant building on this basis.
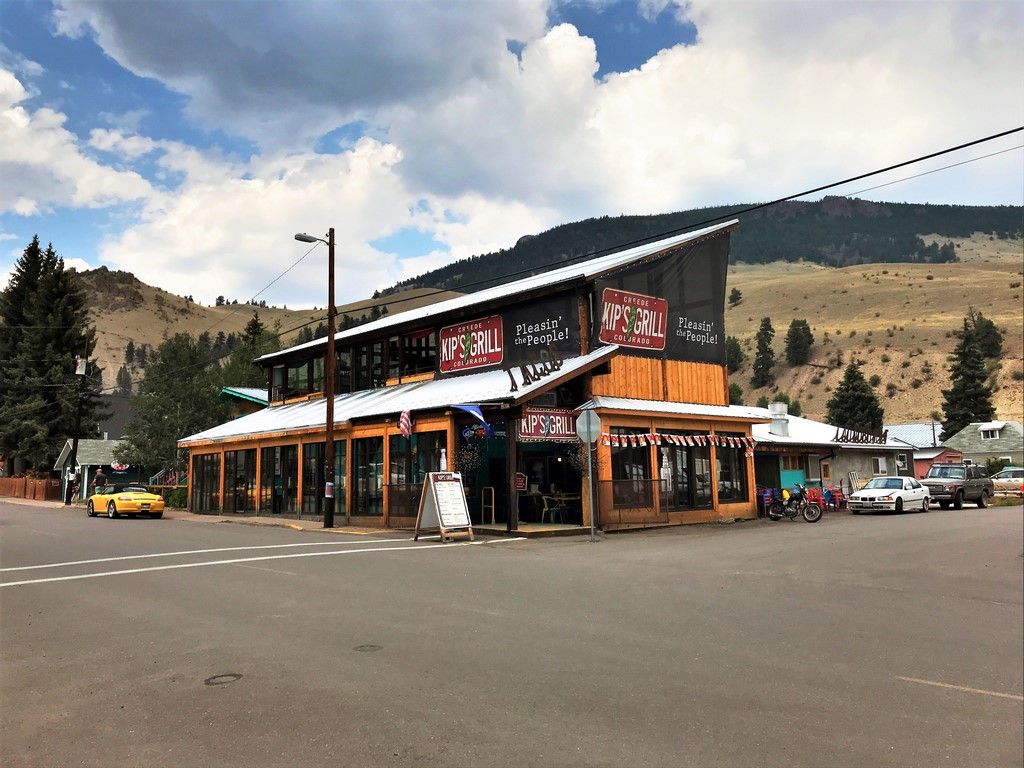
(490, 384)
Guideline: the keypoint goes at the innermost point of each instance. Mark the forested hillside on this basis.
(836, 232)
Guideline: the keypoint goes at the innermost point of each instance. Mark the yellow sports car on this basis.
(120, 500)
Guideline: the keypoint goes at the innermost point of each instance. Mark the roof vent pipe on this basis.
(780, 419)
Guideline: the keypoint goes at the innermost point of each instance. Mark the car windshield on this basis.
(886, 483)
(134, 489)
(947, 473)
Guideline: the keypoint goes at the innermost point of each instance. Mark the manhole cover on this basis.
(368, 648)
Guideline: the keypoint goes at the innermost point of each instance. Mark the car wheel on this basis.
(899, 506)
(156, 515)
(983, 500)
(958, 500)
(90, 510)
(111, 510)
(926, 503)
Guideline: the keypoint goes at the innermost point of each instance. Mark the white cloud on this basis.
(43, 166)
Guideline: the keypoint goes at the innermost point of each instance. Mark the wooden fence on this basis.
(27, 488)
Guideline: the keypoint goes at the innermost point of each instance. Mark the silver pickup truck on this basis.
(956, 483)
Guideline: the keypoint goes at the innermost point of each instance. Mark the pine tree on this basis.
(179, 396)
(734, 356)
(735, 296)
(129, 352)
(764, 359)
(969, 399)
(124, 381)
(853, 405)
(735, 394)
(256, 340)
(798, 343)
(43, 328)
(986, 336)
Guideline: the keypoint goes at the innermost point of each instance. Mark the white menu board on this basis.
(443, 506)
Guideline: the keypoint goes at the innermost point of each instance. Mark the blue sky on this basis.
(188, 141)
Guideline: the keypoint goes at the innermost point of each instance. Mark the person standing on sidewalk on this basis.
(99, 481)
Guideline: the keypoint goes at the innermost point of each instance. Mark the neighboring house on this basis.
(244, 400)
(91, 455)
(792, 449)
(984, 440)
(923, 437)
(490, 384)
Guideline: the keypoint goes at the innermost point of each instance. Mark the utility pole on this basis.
(81, 365)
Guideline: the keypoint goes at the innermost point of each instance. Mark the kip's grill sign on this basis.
(547, 425)
(475, 344)
(633, 319)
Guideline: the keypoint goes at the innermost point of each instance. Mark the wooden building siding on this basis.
(647, 378)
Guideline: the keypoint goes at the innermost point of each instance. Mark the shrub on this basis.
(1018, 375)
(929, 277)
(885, 358)
(177, 498)
(915, 383)
(875, 380)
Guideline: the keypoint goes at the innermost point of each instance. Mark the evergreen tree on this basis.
(43, 329)
(798, 343)
(764, 359)
(124, 381)
(853, 405)
(735, 394)
(734, 356)
(986, 336)
(735, 296)
(179, 396)
(969, 398)
(129, 352)
(257, 340)
(141, 354)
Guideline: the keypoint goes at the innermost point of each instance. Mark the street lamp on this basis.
(328, 378)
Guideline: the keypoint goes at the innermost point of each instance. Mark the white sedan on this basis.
(892, 494)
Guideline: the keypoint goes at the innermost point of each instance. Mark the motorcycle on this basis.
(797, 504)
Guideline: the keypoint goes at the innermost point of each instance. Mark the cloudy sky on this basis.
(188, 141)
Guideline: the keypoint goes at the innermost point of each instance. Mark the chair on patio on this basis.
(553, 508)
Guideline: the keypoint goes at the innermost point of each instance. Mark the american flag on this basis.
(405, 423)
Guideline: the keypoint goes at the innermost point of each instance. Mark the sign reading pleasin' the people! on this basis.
(633, 319)
(476, 344)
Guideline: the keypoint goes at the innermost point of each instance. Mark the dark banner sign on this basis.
(673, 307)
(467, 346)
(547, 424)
(532, 333)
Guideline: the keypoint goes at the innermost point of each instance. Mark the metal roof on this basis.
(252, 394)
(675, 409)
(584, 271)
(491, 387)
(923, 434)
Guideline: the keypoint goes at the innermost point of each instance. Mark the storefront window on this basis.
(631, 469)
(368, 476)
(240, 481)
(411, 459)
(206, 483)
(279, 475)
(732, 473)
(313, 483)
(685, 472)
(419, 353)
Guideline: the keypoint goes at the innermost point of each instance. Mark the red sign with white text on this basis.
(476, 344)
(547, 424)
(633, 319)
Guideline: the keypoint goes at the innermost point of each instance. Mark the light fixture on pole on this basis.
(329, 365)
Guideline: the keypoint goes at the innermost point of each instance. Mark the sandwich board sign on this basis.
(443, 507)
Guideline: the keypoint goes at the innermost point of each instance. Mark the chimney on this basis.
(780, 419)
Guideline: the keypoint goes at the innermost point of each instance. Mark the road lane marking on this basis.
(964, 688)
(266, 570)
(192, 552)
(255, 560)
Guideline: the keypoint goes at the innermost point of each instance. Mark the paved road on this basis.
(859, 641)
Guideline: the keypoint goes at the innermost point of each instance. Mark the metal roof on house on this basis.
(491, 387)
(252, 394)
(922, 434)
(90, 452)
(582, 272)
(809, 432)
(675, 409)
